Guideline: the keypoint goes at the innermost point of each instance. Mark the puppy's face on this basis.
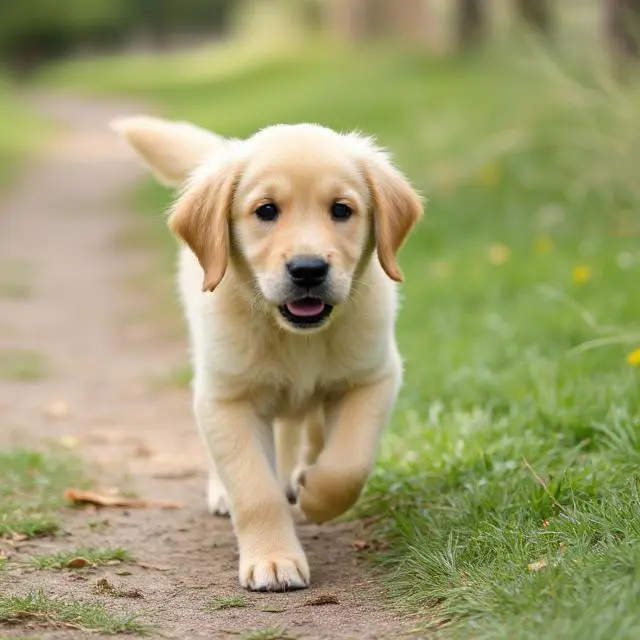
(296, 210)
(301, 218)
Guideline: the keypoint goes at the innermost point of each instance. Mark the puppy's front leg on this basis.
(271, 558)
(333, 484)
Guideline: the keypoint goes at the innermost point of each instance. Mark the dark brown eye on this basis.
(340, 211)
(267, 212)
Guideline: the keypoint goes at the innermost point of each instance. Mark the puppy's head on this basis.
(297, 210)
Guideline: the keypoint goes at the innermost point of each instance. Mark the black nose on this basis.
(308, 271)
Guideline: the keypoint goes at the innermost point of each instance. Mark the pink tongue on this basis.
(305, 308)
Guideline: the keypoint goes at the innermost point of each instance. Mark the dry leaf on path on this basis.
(175, 474)
(322, 599)
(144, 565)
(78, 496)
(360, 545)
(77, 563)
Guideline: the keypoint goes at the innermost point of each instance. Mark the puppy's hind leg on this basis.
(312, 440)
(287, 436)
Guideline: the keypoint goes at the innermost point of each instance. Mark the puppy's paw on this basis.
(325, 494)
(276, 572)
(217, 501)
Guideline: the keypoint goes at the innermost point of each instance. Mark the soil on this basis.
(100, 396)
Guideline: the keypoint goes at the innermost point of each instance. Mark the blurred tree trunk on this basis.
(372, 19)
(471, 23)
(355, 19)
(622, 29)
(536, 14)
(410, 19)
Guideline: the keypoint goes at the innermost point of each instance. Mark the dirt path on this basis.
(101, 355)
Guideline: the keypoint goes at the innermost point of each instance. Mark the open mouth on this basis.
(306, 312)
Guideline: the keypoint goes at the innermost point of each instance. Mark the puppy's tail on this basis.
(170, 148)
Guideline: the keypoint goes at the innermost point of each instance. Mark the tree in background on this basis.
(32, 31)
(622, 30)
(536, 14)
(377, 19)
(470, 23)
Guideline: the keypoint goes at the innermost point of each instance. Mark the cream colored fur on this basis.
(282, 409)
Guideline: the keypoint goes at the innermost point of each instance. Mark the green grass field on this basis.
(21, 131)
(507, 487)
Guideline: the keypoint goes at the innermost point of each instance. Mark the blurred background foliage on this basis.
(34, 31)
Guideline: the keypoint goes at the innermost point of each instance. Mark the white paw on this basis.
(217, 501)
(281, 572)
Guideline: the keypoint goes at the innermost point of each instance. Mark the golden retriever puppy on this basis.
(286, 274)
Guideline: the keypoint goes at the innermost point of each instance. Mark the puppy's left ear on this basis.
(396, 209)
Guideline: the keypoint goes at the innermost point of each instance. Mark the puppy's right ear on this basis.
(200, 217)
(171, 149)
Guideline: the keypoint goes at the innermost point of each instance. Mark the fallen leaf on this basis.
(77, 496)
(57, 409)
(113, 563)
(77, 563)
(177, 474)
(360, 545)
(538, 565)
(124, 572)
(322, 599)
(144, 565)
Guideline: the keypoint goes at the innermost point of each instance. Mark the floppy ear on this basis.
(171, 149)
(200, 217)
(396, 209)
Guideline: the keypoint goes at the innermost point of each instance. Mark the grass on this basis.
(14, 280)
(22, 365)
(93, 556)
(38, 608)
(31, 486)
(21, 131)
(507, 486)
(220, 603)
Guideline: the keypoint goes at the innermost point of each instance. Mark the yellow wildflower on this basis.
(489, 175)
(633, 358)
(499, 253)
(581, 273)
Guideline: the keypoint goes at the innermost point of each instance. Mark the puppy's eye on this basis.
(340, 211)
(267, 212)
